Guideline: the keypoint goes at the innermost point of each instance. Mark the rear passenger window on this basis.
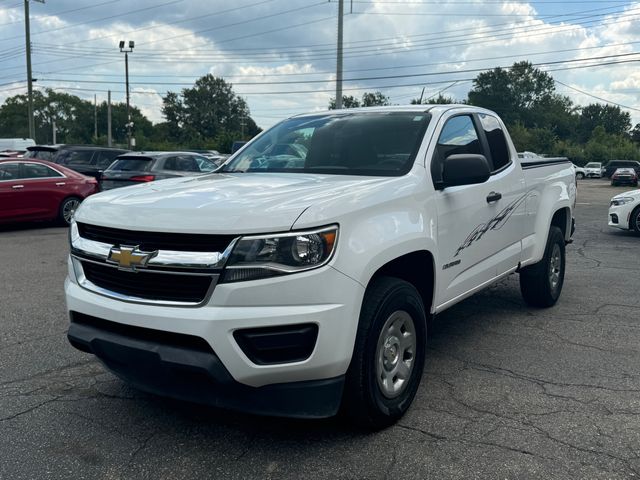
(458, 136)
(182, 163)
(496, 140)
(78, 158)
(105, 158)
(36, 170)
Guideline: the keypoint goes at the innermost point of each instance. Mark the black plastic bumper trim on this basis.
(184, 371)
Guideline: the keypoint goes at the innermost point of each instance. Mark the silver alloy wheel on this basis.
(554, 266)
(395, 353)
(69, 209)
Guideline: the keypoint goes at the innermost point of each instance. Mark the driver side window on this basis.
(458, 136)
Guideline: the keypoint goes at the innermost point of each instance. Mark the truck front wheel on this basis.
(388, 356)
(541, 283)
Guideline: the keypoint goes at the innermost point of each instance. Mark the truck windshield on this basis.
(376, 143)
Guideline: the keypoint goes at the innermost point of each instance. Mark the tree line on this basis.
(207, 116)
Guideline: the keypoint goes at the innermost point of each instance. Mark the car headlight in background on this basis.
(256, 257)
(621, 201)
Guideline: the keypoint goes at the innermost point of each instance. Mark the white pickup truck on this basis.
(298, 279)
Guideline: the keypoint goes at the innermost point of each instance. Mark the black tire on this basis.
(579, 176)
(613, 184)
(67, 205)
(365, 402)
(539, 285)
(634, 220)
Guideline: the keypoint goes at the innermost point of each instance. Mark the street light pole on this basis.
(126, 72)
(339, 55)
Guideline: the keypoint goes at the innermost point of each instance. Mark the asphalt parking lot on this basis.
(508, 391)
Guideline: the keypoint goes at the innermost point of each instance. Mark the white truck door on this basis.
(509, 212)
(475, 231)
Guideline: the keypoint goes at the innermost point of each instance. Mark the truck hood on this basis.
(225, 203)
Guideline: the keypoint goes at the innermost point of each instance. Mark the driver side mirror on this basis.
(464, 169)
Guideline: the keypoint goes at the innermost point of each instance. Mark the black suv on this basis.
(613, 165)
(86, 159)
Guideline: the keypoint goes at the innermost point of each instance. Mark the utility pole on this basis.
(27, 38)
(95, 117)
(109, 140)
(126, 72)
(339, 55)
(53, 126)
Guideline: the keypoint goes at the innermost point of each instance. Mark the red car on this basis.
(40, 190)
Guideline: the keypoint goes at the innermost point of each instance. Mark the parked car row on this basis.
(36, 188)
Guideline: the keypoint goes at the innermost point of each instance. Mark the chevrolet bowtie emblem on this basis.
(129, 257)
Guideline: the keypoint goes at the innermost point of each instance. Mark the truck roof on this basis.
(435, 108)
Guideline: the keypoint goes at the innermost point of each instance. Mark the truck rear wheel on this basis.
(388, 356)
(541, 283)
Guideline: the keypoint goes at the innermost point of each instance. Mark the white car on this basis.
(594, 170)
(580, 172)
(624, 211)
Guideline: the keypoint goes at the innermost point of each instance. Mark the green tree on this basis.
(612, 119)
(205, 112)
(516, 94)
(635, 133)
(348, 101)
(439, 100)
(73, 117)
(372, 99)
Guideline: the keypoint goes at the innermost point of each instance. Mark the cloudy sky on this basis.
(280, 55)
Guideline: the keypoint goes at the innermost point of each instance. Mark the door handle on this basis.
(493, 197)
(16, 187)
(60, 184)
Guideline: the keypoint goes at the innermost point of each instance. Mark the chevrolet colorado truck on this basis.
(297, 280)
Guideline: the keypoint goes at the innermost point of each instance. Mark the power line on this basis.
(596, 97)
(442, 42)
(176, 22)
(376, 41)
(395, 67)
(387, 77)
(64, 12)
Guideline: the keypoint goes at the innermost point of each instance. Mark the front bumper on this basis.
(182, 367)
(619, 216)
(324, 297)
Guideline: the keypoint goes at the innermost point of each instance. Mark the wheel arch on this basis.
(562, 219)
(416, 267)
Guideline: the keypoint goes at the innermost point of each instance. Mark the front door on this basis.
(477, 237)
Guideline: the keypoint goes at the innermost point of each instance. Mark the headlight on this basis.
(621, 200)
(265, 256)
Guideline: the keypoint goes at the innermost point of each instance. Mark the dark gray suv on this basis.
(134, 168)
(613, 165)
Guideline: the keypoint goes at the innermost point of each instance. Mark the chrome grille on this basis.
(175, 275)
